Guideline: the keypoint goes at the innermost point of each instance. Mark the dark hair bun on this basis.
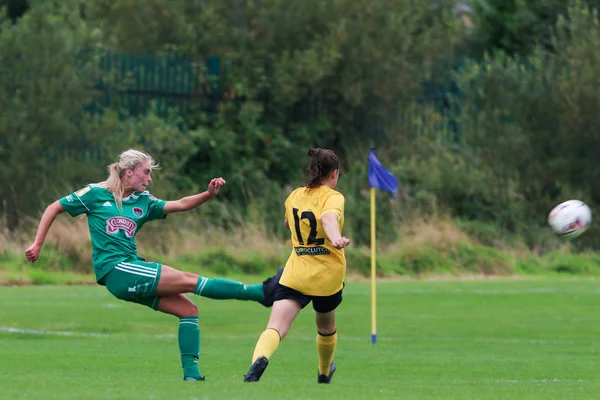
(313, 152)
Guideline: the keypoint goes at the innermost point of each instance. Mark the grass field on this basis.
(492, 339)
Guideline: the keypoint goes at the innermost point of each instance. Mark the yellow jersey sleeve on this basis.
(334, 204)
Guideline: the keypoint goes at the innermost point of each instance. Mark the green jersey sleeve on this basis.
(78, 202)
(155, 208)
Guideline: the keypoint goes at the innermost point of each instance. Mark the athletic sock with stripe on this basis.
(224, 289)
(189, 346)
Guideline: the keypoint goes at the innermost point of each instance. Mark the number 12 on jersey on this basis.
(312, 236)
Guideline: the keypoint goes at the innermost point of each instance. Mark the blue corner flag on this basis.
(380, 177)
(383, 179)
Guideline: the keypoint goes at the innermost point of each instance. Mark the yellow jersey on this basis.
(315, 267)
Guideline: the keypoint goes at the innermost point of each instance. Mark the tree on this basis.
(515, 26)
(48, 72)
(14, 8)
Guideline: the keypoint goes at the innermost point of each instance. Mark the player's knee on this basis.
(186, 309)
(191, 309)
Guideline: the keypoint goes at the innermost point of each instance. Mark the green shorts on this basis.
(135, 281)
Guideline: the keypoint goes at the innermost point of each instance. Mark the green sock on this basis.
(189, 346)
(224, 289)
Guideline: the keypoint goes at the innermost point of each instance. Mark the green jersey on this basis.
(112, 231)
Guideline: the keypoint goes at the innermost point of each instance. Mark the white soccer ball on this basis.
(570, 219)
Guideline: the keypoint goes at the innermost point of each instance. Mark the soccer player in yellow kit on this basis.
(316, 268)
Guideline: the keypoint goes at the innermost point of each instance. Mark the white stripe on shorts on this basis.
(138, 269)
(126, 269)
(149, 269)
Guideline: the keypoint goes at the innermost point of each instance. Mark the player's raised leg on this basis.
(189, 333)
(173, 281)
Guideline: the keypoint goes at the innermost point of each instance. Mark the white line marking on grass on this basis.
(53, 333)
(42, 332)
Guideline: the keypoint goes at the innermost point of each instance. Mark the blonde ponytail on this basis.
(129, 159)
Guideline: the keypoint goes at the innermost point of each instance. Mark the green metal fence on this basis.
(133, 83)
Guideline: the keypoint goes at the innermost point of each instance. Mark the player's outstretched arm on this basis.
(189, 202)
(33, 252)
(332, 230)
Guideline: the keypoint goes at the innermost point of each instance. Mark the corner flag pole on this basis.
(381, 178)
(373, 272)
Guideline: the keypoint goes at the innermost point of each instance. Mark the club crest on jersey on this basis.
(114, 224)
(138, 212)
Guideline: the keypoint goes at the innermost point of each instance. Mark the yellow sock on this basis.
(326, 349)
(267, 344)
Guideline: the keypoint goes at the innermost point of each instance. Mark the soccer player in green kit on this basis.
(116, 210)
